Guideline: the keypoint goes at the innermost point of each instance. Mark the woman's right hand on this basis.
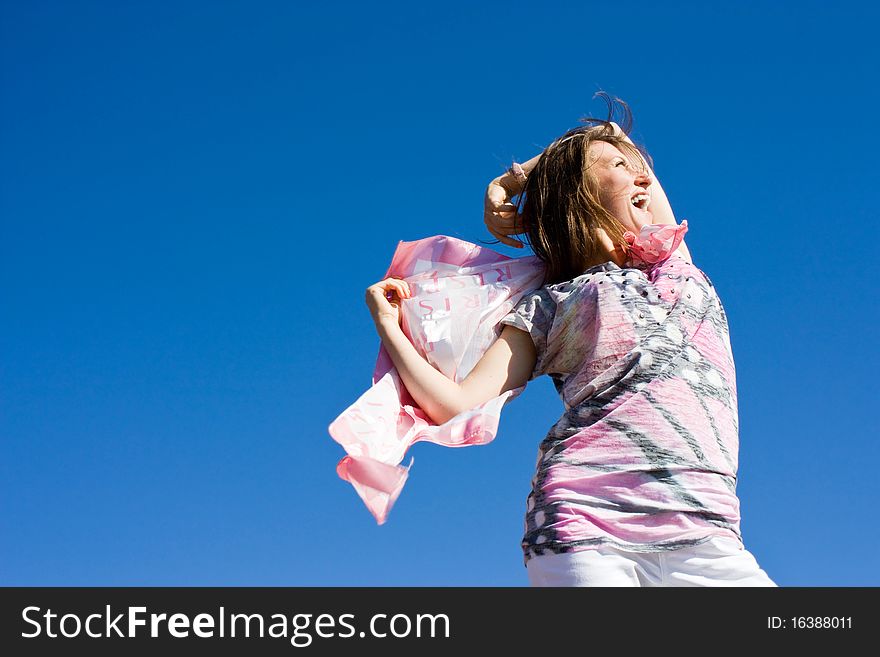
(500, 215)
(383, 299)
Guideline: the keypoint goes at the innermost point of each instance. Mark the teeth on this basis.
(641, 200)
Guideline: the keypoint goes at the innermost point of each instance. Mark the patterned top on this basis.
(644, 457)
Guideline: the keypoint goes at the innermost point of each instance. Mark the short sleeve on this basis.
(534, 314)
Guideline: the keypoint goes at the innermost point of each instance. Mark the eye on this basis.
(620, 162)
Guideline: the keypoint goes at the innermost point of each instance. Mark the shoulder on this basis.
(542, 298)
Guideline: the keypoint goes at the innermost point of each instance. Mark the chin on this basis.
(645, 219)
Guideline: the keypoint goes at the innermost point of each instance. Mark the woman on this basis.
(636, 483)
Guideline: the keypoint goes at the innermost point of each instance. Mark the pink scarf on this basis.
(654, 243)
(460, 292)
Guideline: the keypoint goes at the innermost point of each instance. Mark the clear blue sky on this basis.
(194, 196)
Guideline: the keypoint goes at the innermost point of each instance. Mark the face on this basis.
(622, 181)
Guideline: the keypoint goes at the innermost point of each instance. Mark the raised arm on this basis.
(661, 210)
(506, 365)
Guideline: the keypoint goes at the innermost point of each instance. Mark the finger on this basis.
(394, 280)
(397, 286)
(506, 225)
(509, 241)
(496, 199)
(384, 288)
(403, 286)
(377, 293)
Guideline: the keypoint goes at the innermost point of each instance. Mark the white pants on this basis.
(720, 561)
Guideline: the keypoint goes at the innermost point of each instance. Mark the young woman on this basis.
(635, 484)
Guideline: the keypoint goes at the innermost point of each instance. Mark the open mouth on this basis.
(641, 201)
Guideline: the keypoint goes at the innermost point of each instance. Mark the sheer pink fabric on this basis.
(460, 292)
(654, 243)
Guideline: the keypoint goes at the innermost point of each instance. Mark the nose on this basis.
(642, 179)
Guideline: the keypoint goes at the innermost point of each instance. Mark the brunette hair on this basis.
(559, 207)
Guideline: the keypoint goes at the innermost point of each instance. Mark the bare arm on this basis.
(506, 365)
(661, 210)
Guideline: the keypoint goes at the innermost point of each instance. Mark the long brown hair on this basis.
(560, 209)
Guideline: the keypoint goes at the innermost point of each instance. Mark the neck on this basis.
(607, 251)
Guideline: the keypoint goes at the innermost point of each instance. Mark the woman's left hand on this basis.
(384, 299)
